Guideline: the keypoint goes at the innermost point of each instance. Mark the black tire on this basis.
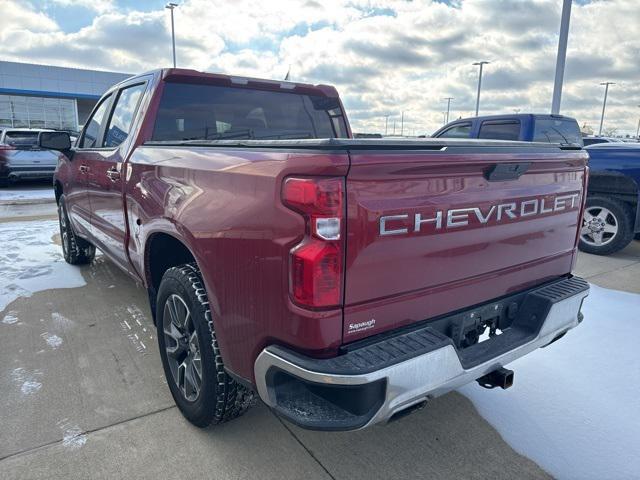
(619, 215)
(220, 398)
(76, 250)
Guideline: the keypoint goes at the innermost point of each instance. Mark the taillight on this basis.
(315, 264)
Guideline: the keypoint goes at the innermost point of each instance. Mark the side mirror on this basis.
(60, 141)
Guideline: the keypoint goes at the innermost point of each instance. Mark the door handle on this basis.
(113, 174)
(83, 169)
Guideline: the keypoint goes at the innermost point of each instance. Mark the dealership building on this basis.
(42, 96)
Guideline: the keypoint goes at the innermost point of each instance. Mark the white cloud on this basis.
(384, 57)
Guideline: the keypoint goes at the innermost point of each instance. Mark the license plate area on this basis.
(483, 323)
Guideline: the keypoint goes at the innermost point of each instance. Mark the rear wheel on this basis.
(606, 226)
(193, 366)
(76, 250)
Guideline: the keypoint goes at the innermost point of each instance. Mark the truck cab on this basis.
(525, 127)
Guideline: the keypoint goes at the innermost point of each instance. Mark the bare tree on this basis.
(586, 129)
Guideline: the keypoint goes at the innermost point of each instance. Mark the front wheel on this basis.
(202, 389)
(607, 226)
(76, 250)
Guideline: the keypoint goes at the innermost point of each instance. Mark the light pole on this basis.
(448, 99)
(604, 103)
(402, 124)
(562, 55)
(171, 6)
(386, 124)
(483, 62)
(638, 129)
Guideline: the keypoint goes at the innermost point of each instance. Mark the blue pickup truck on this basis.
(612, 216)
(526, 127)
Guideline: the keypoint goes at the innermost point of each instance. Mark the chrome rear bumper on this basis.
(407, 382)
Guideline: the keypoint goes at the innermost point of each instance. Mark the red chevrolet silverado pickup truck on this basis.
(343, 281)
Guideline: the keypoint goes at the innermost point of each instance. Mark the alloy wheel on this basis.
(182, 347)
(64, 231)
(599, 226)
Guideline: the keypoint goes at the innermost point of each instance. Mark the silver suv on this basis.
(22, 159)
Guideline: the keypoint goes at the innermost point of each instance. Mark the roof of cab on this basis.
(509, 116)
(193, 76)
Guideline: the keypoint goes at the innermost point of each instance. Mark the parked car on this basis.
(595, 140)
(527, 127)
(612, 216)
(346, 281)
(22, 159)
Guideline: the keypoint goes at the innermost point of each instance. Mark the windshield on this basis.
(555, 130)
(208, 112)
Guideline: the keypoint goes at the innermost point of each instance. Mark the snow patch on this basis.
(53, 340)
(26, 380)
(31, 262)
(574, 407)
(134, 325)
(72, 435)
(60, 320)
(10, 318)
(27, 194)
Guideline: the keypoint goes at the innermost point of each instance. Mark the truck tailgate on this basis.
(437, 230)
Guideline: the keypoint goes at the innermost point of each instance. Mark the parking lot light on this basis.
(604, 103)
(480, 64)
(171, 6)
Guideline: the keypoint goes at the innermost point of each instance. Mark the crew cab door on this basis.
(106, 174)
(76, 193)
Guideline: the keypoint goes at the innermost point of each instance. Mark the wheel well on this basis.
(164, 252)
(57, 187)
(613, 184)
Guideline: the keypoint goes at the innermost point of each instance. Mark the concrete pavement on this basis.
(620, 271)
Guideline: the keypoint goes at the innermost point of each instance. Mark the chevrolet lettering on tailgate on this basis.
(460, 217)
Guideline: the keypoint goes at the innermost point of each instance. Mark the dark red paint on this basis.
(225, 206)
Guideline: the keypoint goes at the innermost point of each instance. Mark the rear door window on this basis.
(210, 112)
(123, 114)
(462, 130)
(556, 130)
(509, 130)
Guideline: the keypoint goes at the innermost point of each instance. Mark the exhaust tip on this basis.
(408, 411)
(502, 377)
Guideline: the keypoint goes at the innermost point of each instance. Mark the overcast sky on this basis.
(383, 56)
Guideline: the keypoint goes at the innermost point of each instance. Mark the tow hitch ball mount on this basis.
(502, 377)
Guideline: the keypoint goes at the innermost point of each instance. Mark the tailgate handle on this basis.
(501, 172)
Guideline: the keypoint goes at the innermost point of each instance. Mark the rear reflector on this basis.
(316, 274)
(316, 263)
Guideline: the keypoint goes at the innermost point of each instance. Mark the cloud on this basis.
(385, 57)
